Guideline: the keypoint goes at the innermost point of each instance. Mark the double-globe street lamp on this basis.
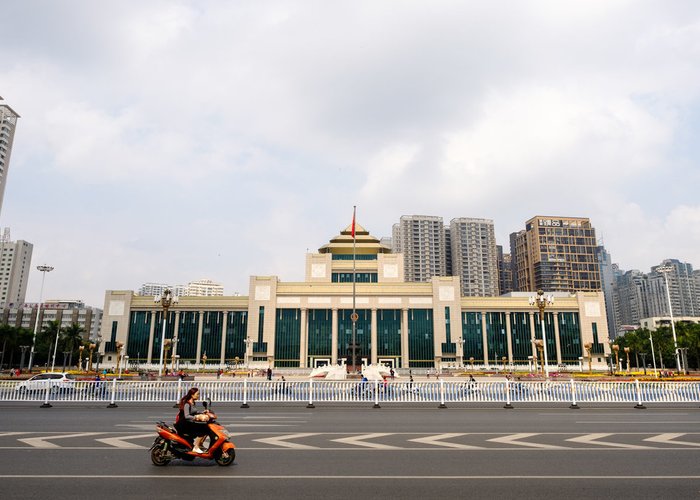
(542, 302)
(166, 300)
(44, 269)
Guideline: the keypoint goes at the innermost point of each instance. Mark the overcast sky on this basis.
(169, 141)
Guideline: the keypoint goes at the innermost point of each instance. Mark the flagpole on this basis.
(354, 313)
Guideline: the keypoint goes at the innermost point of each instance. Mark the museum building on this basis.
(309, 323)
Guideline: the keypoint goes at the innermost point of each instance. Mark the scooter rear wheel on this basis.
(158, 456)
(225, 459)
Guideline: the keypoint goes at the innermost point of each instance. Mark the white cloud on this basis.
(261, 124)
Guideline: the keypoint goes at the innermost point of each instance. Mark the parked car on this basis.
(56, 381)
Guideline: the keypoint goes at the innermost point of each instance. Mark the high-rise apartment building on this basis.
(421, 239)
(631, 291)
(66, 312)
(681, 288)
(8, 122)
(474, 256)
(557, 254)
(505, 271)
(205, 288)
(607, 277)
(15, 264)
(153, 289)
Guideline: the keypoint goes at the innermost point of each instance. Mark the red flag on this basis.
(352, 229)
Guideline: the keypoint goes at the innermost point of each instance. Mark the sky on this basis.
(170, 141)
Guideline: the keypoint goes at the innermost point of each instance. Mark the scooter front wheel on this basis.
(158, 456)
(226, 458)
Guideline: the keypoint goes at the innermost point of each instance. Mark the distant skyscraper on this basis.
(631, 289)
(607, 277)
(557, 254)
(15, 264)
(505, 271)
(421, 239)
(474, 256)
(681, 285)
(449, 270)
(8, 122)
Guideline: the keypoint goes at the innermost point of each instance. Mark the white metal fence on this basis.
(376, 392)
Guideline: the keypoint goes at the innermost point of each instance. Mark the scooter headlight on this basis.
(226, 434)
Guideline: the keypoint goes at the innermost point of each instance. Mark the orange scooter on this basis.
(170, 445)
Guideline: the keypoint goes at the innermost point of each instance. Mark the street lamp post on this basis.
(80, 357)
(627, 353)
(664, 270)
(44, 269)
(165, 301)
(588, 347)
(248, 342)
(92, 348)
(616, 350)
(541, 302)
(460, 351)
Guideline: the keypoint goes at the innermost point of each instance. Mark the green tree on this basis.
(73, 339)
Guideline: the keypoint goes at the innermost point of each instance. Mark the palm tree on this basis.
(7, 334)
(73, 337)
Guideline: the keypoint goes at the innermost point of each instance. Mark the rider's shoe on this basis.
(197, 449)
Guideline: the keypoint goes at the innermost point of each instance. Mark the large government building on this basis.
(307, 324)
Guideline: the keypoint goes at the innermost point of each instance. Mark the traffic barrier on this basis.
(311, 392)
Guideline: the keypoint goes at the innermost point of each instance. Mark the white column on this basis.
(151, 333)
(373, 337)
(557, 340)
(404, 338)
(200, 329)
(334, 336)
(224, 331)
(509, 338)
(484, 338)
(304, 341)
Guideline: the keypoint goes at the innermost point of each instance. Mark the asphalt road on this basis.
(349, 452)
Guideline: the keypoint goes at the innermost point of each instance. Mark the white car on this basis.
(56, 381)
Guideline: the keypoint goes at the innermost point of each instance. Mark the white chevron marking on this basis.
(436, 440)
(121, 442)
(360, 441)
(593, 439)
(42, 442)
(513, 439)
(668, 438)
(282, 441)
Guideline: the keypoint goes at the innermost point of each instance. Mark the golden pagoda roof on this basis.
(365, 243)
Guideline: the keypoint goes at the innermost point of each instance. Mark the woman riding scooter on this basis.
(191, 422)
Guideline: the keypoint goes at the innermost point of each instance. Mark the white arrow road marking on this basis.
(360, 441)
(121, 442)
(513, 439)
(436, 440)
(42, 442)
(282, 441)
(668, 438)
(593, 439)
(12, 433)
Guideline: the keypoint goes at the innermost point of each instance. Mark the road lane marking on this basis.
(282, 441)
(593, 439)
(436, 440)
(121, 442)
(669, 438)
(360, 441)
(42, 442)
(515, 439)
(325, 477)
